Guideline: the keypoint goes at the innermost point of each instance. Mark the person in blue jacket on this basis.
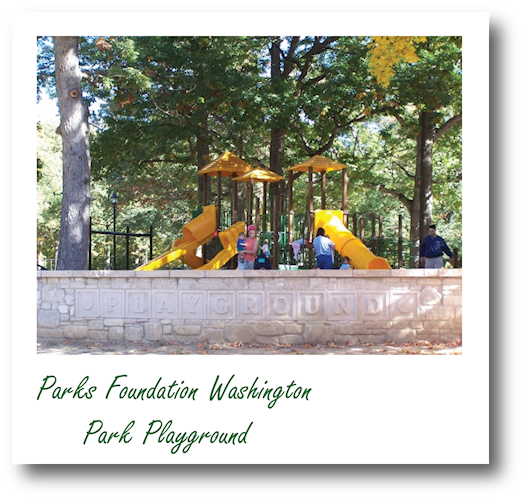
(432, 248)
(324, 250)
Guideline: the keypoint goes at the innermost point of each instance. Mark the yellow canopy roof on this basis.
(227, 164)
(318, 164)
(259, 175)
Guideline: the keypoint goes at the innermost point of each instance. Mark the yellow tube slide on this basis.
(346, 243)
(197, 232)
(228, 239)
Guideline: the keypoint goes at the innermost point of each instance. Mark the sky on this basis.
(47, 109)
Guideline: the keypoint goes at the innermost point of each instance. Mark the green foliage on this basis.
(49, 191)
(162, 97)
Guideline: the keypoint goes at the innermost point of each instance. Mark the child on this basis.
(240, 246)
(346, 263)
(265, 249)
(296, 246)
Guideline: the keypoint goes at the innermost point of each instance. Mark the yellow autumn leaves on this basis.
(386, 51)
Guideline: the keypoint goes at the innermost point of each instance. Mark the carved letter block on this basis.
(373, 306)
(86, 302)
(165, 304)
(138, 303)
(342, 306)
(311, 306)
(280, 305)
(250, 305)
(403, 305)
(222, 305)
(112, 304)
(193, 305)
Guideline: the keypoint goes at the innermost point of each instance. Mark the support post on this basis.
(400, 241)
(275, 224)
(344, 203)
(127, 248)
(310, 211)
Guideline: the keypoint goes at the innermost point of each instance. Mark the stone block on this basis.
(269, 328)
(113, 322)
(187, 330)
(318, 333)
(63, 309)
(291, 339)
(267, 340)
(371, 339)
(452, 300)
(50, 333)
(400, 336)
(98, 334)
(216, 334)
(241, 332)
(76, 332)
(443, 313)
(64, 318)
(134, 332)
(50, 293)
(48, 318)
(293, 328)
(459, 315)
(450, 336)
(96, 324)
(153, 331)
(345, 339)
(430, 296)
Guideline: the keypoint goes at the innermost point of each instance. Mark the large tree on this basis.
(424, 94)
(73, 251)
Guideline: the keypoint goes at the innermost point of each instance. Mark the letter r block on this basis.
(250, 305)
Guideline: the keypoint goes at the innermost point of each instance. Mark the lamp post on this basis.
(114, 200)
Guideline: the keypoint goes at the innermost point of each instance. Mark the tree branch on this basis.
(289, 61)
(447, 126)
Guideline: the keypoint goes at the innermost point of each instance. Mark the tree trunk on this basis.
(203, 158)
(277, 133)
(426, 146)
(73, 252)
(277, 138)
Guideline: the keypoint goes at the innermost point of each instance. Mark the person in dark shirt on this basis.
(432, 248)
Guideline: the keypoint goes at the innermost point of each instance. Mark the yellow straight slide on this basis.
(197, 232)
(346, 243)
(228, 239)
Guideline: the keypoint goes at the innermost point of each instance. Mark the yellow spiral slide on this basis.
(346, 243)
(196, 233)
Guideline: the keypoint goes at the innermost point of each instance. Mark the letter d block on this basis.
(373, 306)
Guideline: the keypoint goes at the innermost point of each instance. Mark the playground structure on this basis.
(197, 233)
(206, 226)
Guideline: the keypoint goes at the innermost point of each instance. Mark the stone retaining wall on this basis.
(251, 306)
